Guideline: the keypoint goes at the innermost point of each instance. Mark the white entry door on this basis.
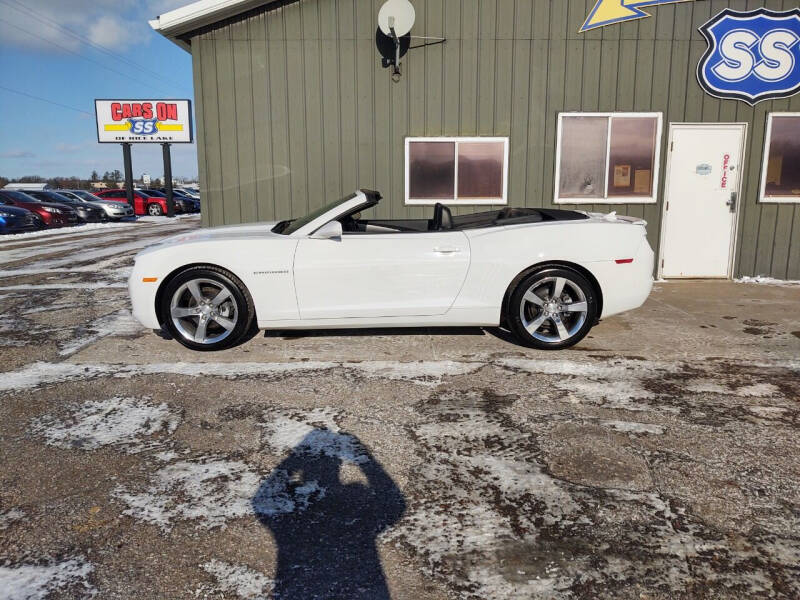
(702, 199)
(380, 274)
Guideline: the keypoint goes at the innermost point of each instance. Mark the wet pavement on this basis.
(658, 459)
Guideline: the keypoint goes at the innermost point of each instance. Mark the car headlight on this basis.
(5, 214)
(51, 209)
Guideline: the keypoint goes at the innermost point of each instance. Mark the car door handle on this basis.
(446, 250)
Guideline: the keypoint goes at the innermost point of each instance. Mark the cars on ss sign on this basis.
(549, 275)
(51, 215)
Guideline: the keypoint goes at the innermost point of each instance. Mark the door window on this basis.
(780, 180)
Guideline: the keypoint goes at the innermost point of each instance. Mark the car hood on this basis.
(14, 210)
(218, 234)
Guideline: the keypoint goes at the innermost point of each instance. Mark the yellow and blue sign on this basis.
(752, 56)
(608, 12)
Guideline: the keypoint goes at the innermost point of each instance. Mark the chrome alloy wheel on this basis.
(204, 311)
(553, 309)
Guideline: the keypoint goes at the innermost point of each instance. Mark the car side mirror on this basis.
(330, 231)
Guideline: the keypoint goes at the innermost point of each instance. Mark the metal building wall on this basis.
(294, 110)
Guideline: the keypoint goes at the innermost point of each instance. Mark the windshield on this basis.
(289, 227)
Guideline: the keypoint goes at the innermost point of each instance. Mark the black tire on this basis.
(155, 210)
(549, 323)
(238, 309)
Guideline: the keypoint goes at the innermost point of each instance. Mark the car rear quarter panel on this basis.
(500, 254)
(263, 265)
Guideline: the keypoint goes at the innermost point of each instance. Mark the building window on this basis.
(607, 158)
(780, 178)
(456, 170)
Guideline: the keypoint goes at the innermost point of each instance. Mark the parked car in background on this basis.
(17, 220)
(193, 203)
(182, 203)
(52, 215)
(114, 210)
(143, 203)
(86, 212)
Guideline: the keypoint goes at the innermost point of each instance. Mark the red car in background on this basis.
(143, 203)
(51, 214)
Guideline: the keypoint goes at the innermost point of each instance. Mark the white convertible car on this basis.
(548, 275)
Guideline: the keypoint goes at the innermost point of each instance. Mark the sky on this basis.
(69, 52)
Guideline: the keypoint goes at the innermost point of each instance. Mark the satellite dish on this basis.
(397, 14)
(387, 48)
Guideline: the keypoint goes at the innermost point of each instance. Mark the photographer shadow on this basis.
(325, 529)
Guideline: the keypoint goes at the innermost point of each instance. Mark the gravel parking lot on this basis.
(658, 459)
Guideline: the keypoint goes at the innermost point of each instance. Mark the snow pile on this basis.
(246, 583)
(119, 323)
(37, 582)
(112, 422)
(762, 279)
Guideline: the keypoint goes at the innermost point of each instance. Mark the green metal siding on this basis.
(293, 108)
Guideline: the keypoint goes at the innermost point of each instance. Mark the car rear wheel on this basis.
(155, 210)
(207, 308)
(552, 308)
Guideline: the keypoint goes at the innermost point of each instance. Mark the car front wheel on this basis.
(154, 210)
(552, 308)
(207, 308)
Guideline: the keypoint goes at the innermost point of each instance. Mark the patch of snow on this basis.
(764, 280)
(239, 579)
(37, 582)
(41, 373)
(10, 516)
(617, 392)
(88, 285)
(631, 427)
(166, 455)
(210, 491)
(112, 422)
(49, 308)
(119, 323)
(422, 372)
(767, 412)
(313, 432)
(756, 390)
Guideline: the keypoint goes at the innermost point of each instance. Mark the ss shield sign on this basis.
(751, 56)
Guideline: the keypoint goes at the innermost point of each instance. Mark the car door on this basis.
(380, 274)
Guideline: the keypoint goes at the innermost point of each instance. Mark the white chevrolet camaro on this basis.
(548, 275)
